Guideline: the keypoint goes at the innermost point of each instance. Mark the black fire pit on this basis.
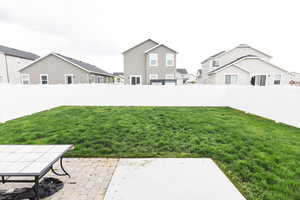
(47, 187)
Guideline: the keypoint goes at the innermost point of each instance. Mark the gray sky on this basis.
(98, 31)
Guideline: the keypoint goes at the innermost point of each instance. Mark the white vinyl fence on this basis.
(280, 103)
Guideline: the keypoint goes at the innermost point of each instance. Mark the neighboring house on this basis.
(55, 68)
(150, 63)
(294, 78)
(242, 65)
(11, 61)
(119, 78)
(182, 76)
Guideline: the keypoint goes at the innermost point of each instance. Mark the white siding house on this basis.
(11, 61)
(242, 65)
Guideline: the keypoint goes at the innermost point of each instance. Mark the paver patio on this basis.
(89, 181)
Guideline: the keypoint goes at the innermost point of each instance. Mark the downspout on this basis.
(7, 74)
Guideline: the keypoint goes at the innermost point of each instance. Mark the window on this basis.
(260, 80)
(230, 79)
(69, 78)
(135, 80)
(100, 79)
(25, 79)
(153, 60)
(153, 76)
(215, 63)
(170, 76)
(92, 78)
(44, 79)
(170, 59)
(277, 79)
(1, 79)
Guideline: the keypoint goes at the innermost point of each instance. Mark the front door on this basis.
(135, 80)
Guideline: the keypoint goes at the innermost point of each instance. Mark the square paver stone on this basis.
(170, 179)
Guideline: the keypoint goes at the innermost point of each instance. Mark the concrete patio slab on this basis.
(170, 179)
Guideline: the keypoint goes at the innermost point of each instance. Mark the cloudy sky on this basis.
(98, 31)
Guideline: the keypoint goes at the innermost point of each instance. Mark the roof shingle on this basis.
(87, 66)
(18, 53)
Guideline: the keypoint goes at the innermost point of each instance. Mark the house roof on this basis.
(181, 70)
(18, 53)
(213, 56)
(118, 73)
(140, 45)
(87, 66)
(82, 65)
(160, 45)
(230, 63)
(239, 59)
(239, 46)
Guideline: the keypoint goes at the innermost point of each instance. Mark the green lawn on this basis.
(261, 157)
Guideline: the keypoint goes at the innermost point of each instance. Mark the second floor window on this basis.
(153, 60)
(153, 76)
(215, 63)
(170, 61)
(170, 76)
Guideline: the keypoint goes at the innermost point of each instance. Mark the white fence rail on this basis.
(281, 103)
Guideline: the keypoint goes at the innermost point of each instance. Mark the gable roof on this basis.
(213, 56)
(18, 53)
(148, 40)
(159, 45)
(239, 46)
(230, 63)
(181, 70)
(87, 66)
(82, 65)
(242, 58)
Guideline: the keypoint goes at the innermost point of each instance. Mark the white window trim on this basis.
(173, 60)
(156, 75)
(135, 76)
(281, 78)
(150, 64)
(66, 82)
(237, 79)
(173, 76)
(41, 79)
(23, 78)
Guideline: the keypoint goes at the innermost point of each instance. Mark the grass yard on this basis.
(261, 157)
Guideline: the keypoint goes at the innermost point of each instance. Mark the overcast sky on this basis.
(98, 31)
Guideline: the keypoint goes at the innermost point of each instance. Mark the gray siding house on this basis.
(150, 63)
(55, 68)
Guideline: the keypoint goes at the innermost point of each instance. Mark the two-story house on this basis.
(150, 63)
(242, 65)
(11, 61)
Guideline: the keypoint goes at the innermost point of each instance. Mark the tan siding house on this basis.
(58, 69)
